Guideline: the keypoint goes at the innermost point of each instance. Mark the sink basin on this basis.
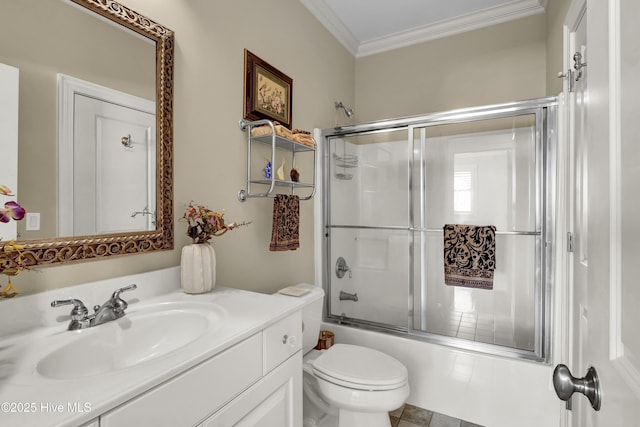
(129, 341)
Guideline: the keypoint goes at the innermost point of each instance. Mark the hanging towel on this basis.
(469, 255)
(286, 220)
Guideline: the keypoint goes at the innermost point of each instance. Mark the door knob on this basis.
(566, 384)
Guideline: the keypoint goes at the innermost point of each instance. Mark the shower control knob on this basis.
(342, 268)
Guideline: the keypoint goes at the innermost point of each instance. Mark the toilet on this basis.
(346, 385)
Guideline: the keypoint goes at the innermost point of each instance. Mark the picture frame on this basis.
(267, 91)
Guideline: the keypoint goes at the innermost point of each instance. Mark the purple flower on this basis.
(12, 210)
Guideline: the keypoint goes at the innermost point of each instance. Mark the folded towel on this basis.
(286, 220)
(469, 255)
(263, 130)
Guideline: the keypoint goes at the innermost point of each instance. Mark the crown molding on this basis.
(323, 13)
(445, 28)
(449, 27)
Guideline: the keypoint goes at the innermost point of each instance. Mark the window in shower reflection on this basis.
(463, 188)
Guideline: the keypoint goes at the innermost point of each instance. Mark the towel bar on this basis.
(427, 230)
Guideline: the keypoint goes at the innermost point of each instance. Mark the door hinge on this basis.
(569, 242)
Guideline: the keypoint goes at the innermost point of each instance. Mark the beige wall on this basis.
(502, 63)
(499, 64)
(210, 149)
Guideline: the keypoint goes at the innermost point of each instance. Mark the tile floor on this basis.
(412, 416)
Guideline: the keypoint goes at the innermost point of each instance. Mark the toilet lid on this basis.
(360, 368)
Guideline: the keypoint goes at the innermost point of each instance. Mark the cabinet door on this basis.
(275, 401)
(190, 397)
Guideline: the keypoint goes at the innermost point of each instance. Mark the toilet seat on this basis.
(360, 368)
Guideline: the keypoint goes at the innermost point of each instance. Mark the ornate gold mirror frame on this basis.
(31, 253)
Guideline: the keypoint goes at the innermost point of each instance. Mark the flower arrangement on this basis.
(203, 223)
(11, 210)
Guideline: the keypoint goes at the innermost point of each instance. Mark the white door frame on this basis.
(619, 369)
(68, 87)
(566, 162)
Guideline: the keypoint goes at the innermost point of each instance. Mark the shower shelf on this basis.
(277, 144)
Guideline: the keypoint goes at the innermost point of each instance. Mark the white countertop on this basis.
(30, 399)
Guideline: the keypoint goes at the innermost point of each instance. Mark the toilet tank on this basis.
(311, 315)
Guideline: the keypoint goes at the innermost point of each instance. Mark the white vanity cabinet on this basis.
(276, 400)
(256, 382)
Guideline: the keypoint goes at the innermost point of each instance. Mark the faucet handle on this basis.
(79, 311)
(120, 305)
(117, 293)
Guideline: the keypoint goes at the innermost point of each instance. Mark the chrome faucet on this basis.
(111, 310)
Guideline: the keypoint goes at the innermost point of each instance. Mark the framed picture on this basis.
(267, 91)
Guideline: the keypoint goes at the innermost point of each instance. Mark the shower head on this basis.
(347, 111)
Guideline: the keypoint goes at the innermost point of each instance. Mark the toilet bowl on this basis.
(361, 384)
(346, 385)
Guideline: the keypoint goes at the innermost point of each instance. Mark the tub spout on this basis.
(347, 296)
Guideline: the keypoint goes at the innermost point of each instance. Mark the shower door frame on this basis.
(545, 111)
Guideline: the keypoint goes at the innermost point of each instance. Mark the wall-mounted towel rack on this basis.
(277, 144)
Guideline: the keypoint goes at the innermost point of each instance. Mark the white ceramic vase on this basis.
(198, 268)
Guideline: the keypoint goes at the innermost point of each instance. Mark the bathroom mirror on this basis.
(106, 43)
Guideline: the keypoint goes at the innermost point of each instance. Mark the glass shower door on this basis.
(484, 172)
(389, 189)
(368, 227)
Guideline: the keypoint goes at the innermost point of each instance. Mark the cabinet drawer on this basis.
(190, 397)
(281, 340)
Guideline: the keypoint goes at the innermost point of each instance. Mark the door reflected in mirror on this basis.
(107, 146)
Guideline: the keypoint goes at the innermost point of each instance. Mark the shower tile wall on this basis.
(373, 191)
(379, 263)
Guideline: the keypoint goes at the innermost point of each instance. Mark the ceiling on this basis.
(366, 27)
